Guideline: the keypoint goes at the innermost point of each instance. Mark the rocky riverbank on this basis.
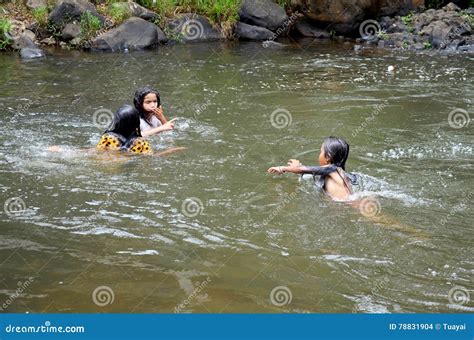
(122, 26)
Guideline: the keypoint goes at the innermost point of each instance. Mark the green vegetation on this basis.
(118, 13)
(40, 15)
(382, 35)
(286, 3)
(218, 11)
(469, 17)
(427, 45)
(5, 27)
(408, 21)
(90, 25)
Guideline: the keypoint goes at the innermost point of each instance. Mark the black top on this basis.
(324, 171)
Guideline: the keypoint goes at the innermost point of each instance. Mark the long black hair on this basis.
(140, 95)
(337, 150)
(126, 123)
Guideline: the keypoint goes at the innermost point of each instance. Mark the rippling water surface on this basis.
(207, 230)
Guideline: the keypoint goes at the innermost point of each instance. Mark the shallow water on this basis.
(207, 230)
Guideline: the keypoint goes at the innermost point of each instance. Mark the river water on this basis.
(207, 230)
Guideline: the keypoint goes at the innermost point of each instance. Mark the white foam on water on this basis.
(343, 258)
(139, 253)
(369, 186)
(427, 151)
(400, 196)
(365, 303)
(110, 231)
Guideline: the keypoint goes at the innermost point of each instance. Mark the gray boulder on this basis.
(28, 49)
(193, 28)
(248, 32)
(32, 53)
(133, 34)
(71, 31)
(263, 13)
(305, 28)
(67, 11)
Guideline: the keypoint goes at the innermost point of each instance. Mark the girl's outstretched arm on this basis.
(59, 149)
(169, 125)
(169, 151)
(295, 166)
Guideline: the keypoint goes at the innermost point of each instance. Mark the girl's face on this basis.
(323, 160)
(150, 102)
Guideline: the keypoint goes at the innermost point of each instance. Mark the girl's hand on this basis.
(276, 170)
(158, 112)
(168, 125)
(294, 163)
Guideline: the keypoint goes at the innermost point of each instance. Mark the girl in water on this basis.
(148, 104)
(333, 179)
(124, 135)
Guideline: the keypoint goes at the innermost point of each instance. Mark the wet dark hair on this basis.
(337, 150)
(126, 123)
(140, 95)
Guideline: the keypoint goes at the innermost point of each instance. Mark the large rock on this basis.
(395, 7)
(263, 13)
(133, 34)
(24, 41)
(135, 10)
(71, 31)
(307, 29)
(28, 49)
(32, 53)
(67, 11)
(248, 32)
(192, 28)
(345, 16)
